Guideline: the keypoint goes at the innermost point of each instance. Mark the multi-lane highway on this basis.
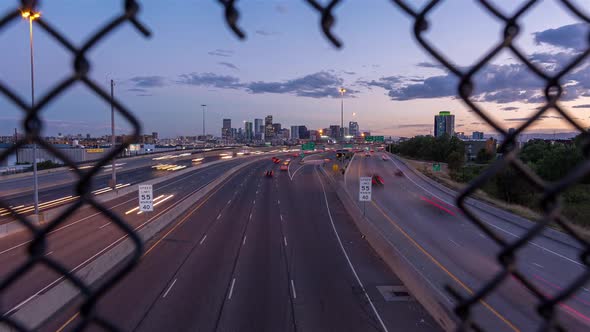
(88, 234)
(261, 254)
(422, 220)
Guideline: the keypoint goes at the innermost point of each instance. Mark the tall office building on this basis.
(248, 131)
(335, 131)
(294, 132)
(258, 127)
(276, 128)
(268, 129)
(226, 129)
(303, 132)
(353, 129)
(444, 123)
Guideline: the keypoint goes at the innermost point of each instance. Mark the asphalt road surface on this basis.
(87, 233)
(261, 254)
(426, 226)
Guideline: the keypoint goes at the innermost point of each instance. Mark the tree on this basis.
(455, 160)
(483, 156)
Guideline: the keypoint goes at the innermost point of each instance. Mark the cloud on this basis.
(317, 85)
(426, 64)
(221, 52)
(144, 95)
(137, 90)
(509, 108)
(581, 106)
(148, 81)
(349, 72)
(505, 83)
(569, 37)
(415, 125)
(265, 33)
(516, 119)
(281, 8)
(228, 65)
(210, 80)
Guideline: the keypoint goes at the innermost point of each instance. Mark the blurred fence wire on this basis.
(554, 89)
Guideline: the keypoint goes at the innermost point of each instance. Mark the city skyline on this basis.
(392, 88)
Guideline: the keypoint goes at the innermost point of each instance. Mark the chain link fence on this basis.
(554, 89)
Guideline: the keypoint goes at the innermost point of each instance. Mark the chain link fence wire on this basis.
(550, 192)
(33, 126)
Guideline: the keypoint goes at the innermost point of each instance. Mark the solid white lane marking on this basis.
(219, 216)
(203, 239)
(49, 253)
(169, 288)
(348, 259)
(489, 223)
(228, 202)
(231, 288)
(285, 240)
(244, 241)
(103, 226)
(538, 265)
(293, 289)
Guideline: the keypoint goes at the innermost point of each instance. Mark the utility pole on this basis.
(30, 16)
(114, 171)
(203, 119)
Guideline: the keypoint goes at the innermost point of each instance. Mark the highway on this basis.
(87, 233)
(261, 254)
(438, 239)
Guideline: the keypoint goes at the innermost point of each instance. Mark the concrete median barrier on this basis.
(43, 306)
(416, 283)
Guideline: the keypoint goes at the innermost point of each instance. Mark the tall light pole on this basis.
(342, 91)
(203, 119)
(31, 16)
(113, 141)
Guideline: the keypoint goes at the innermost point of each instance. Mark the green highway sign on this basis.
(375, 139)
(436, 167)
(348, 146)
(308, 146)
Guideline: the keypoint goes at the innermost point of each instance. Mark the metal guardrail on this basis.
(551, 192)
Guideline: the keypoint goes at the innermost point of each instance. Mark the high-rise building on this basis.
(303, 132)
(155, 136)
(248, 131)
(477, 135)
(444, 123)
(226, 129)
(285, 133)
(294, 132)
(353, 129)
(335, 131)
(268, 129)
(276, 128)
(258, 126)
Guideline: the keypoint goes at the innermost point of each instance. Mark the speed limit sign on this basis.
(146, 198)
(365, 188)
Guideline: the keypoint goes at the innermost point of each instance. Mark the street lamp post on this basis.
(203, 119)
(30, 16)
(113, 140)
(342, 91)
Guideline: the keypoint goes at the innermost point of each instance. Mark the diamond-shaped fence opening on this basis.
(549, 192)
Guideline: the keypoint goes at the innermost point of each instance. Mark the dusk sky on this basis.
(287, 68)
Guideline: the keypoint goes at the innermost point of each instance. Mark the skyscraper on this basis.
(248, 131)
(294, 132)
(276, 128)
(335, 131)
(268, 129)
(303, 132)
(258, 127)
(444, 123)
(353, 128)
(226, 129)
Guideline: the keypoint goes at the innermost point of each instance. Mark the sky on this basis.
(287, 68)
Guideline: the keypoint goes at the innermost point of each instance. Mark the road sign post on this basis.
(436, 167)
(365, 189)
(146, 198)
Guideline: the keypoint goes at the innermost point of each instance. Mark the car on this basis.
(372, 150)
(327, 160)
(295, 155)
(284, 167)
(367, 154)
(277, 161)
(268, 173)
(377, 180)
(384, 158)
